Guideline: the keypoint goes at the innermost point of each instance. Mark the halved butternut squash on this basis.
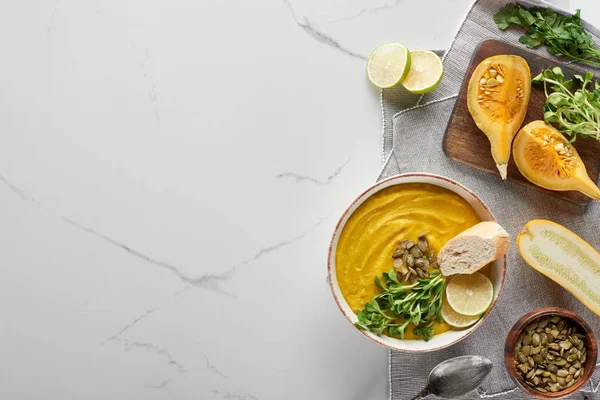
(497, 99)
(545, 157)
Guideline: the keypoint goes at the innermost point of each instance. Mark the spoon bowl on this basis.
(456, 377)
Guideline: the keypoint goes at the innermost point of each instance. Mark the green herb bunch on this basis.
(562, 34)
(399, 304)
(575, 113)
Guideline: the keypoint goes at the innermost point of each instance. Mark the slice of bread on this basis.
(473, 249)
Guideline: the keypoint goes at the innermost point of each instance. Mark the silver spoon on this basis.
(456, 377)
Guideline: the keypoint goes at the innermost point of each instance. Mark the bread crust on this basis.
(490, 232)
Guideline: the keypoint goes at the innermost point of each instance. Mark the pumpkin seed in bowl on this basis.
(550, 354)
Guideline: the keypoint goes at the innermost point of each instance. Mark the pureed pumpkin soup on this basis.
(380, 223)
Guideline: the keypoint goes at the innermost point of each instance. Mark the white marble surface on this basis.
(171, 172)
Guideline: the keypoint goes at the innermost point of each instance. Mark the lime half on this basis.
(470, 295)
(455, 319)
(388, 65)
(426, 71)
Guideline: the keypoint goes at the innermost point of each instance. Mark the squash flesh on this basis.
(564, 257)
(546, 158)
(498, 96)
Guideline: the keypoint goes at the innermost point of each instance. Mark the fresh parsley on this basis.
(400, 304)
(576, 113)
(562, 34)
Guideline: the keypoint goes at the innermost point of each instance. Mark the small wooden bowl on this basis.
(590, 343)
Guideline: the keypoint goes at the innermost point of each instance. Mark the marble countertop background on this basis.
(170, 175)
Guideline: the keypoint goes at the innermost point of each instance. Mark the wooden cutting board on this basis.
(465, 143)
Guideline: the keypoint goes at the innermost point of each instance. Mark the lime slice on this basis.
(455, 319)
(426, 71)
(470, 295)
(388, 65)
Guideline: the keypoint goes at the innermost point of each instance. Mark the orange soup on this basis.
(398, 212)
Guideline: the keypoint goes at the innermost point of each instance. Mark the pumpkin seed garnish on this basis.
(398, 263)
(550, 354)
(410, 260)
(420, 263)
(416, 252)
(431, 256)
(423, 244)
(414, 260)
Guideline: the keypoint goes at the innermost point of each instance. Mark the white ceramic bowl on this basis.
(497, 275)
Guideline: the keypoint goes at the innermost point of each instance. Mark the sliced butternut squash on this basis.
(564, 257)
(546, 158)
(497, 99)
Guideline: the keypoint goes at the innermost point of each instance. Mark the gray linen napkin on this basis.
(412, 142)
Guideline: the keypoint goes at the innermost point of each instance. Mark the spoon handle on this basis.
(421, 395)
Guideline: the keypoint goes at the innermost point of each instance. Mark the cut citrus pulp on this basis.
(470, 295)
(425, 73)
(564, 257)
(455, 319)
(388, 65)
